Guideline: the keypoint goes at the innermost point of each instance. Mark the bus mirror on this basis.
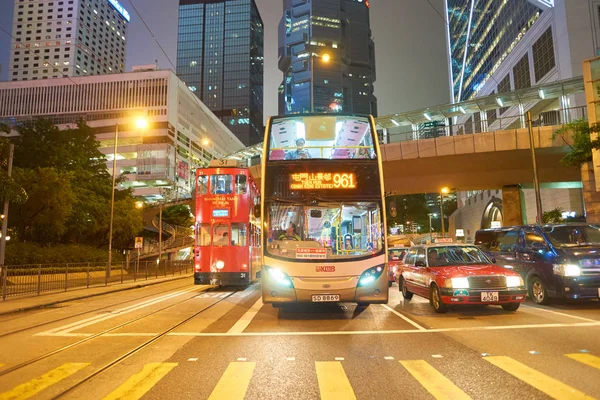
(257, 211)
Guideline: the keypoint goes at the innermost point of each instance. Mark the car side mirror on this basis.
(257, 211)
(494, 260)
(420, 263)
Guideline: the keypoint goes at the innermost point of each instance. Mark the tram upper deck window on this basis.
(240, 184)
(221, 184)
(202, 184)
(321, 137)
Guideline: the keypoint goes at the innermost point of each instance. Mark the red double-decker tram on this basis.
(227, 247)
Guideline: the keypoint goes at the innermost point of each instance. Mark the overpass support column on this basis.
(591, 197)
(415, 131)
(522, 116)
(513, 206)
(484, 121)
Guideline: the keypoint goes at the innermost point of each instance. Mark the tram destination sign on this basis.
(322, 180)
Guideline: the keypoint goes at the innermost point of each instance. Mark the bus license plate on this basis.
(489, 296)
(321, 298)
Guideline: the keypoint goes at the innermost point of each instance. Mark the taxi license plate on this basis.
(489, 296)
(321, 298)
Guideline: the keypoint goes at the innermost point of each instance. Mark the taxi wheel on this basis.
(511, 306)
(436, 300)
(538, 291)
(405, 292)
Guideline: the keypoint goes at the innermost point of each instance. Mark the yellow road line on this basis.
(36, 385)
(431, 379)
(234, 382)
(333, 382)
(139, 384)
(542, 382)
(587, 359)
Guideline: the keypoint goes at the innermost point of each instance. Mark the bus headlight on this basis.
(279, 276)
(514, 281)
(370, 276)
(220, 264)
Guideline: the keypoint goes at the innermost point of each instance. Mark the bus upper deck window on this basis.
(202, 184)
(240, 184)
(221, 184)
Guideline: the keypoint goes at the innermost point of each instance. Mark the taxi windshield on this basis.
(443, 256)
(396, 254)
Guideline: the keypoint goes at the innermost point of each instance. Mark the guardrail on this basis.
(34, 279)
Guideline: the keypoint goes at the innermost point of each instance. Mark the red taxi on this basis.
(395, 259)
(455, 274)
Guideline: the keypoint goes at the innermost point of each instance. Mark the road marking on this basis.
(339, 359)
(587, 359)
(333, 382)
(99, 318)
(36, 385)
(437, 356)
(192, 359)
(242, 359)
(291, 359)
(139, 384)
(245, 320)
(404, 317)
(563, 314)
(234, 382)
(542, 382)
(388, 358)
(431, 379)
(389, 332)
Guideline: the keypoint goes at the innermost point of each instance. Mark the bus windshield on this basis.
(324, 231)
(321, 137)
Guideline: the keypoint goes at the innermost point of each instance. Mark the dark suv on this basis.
(556, 260)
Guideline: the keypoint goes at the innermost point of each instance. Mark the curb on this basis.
(116, 290)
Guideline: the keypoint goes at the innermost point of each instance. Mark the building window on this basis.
(521, 73)
(503, 87)
(543, 55)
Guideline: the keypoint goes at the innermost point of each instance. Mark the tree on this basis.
(178, 215)
(581, 149)
(552, 216)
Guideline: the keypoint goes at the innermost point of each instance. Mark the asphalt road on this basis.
(180, 341)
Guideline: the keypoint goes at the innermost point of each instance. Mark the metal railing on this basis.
(34, 279)
(493, 122)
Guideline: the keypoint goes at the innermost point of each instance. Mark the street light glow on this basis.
(205, 142)
(326, 58)
(445, 190)
(141, 123)
(139, 204)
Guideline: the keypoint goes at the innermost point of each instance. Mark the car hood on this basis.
(461, 271)
(574, 254)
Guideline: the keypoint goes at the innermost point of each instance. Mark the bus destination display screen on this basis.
(222, 213)
(316, 181)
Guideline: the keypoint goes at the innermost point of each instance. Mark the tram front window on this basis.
(327, 230)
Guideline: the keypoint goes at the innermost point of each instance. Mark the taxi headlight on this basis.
(514, 281)
(567, 270)
(220, 264)
(457, 283)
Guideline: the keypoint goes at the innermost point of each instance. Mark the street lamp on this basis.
(141, 123)
(326, 58)
(445, 190)
(430, 216)
(205, 142)
(139, 205)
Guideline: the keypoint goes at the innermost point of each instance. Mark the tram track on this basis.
(139, 348)
(3, 335)
(104, 332)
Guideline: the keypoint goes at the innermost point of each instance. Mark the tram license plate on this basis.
(489, 296)
(321, 298)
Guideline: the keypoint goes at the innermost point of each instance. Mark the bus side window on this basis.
(240, 184)
(202, 184)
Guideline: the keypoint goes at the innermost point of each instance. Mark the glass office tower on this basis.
(481, 33)
(220, 56)
(327, 57)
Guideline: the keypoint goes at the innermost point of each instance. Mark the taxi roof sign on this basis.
(443, 240)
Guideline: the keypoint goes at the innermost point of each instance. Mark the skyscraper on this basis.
(327, 57)
(59, 38)
(480, 36)
(220, 56)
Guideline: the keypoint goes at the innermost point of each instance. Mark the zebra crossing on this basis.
(331, 376)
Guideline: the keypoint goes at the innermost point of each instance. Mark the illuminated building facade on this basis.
(62, 38)
(220, 56)
(327, 57)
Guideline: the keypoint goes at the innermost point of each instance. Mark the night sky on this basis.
(409, 35)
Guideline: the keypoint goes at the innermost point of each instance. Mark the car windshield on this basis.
(573, 235)
(325, 230)
(443, 256)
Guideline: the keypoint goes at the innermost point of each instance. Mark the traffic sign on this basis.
(139, 242)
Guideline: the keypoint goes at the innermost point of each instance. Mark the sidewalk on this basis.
(25, 303)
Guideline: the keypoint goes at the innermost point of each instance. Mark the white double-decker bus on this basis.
(323, 211)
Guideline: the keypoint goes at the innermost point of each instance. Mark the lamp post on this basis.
(430, 230)
(445, 190)
(3, 237)
(141, 124)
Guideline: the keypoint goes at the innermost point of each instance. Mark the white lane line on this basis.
(245, 320)
(291, 358)
(103, 317)
(192, 359)
(242, 359)
(339, 359)
(437, 356)
(413, 323)
(562, 314)
(388, 358)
